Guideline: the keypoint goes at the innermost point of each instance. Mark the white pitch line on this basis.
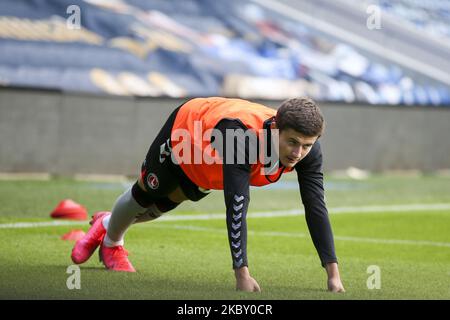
(303, 235)
(409, 208)
(391, 208)
(21, 225)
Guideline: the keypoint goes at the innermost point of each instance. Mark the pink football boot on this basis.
(115, 258)
(86, 246)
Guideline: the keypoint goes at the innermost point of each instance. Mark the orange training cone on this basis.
(73, 235)
(69, 209)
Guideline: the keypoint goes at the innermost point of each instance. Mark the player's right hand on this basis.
(248, 284)
(245, 282)
(335, 285)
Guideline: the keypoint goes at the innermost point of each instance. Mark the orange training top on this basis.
(192, 123)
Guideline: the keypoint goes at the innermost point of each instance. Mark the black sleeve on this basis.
(236, 185)
(310, 179)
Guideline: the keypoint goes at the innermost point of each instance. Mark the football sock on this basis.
(157, 209)
(123, 214)
(150, 213)
(127, 211)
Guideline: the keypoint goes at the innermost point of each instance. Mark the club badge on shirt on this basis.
(152, 181)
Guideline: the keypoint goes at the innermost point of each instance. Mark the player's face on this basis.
(294, 147)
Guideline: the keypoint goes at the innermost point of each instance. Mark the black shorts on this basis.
(160, 175)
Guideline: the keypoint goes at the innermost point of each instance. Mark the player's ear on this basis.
(273, 125)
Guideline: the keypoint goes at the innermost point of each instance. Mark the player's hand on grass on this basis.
(244, 282)
(247, 284)
(334, 279)
(335, 285)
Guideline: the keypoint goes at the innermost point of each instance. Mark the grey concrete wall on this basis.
(73, 133)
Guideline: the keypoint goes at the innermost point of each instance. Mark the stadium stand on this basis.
(195, 48)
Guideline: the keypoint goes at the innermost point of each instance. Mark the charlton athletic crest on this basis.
(153, 181)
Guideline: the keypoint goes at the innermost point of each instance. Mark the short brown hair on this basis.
(302, 115)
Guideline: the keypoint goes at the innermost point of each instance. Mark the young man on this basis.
(216, 143)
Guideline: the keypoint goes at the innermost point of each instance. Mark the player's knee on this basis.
(160, 207)
(156, 206)
(142, 197)
(165, 204)
(157, 209)
(177, 196)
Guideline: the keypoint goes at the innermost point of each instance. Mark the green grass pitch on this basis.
(400, 224)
